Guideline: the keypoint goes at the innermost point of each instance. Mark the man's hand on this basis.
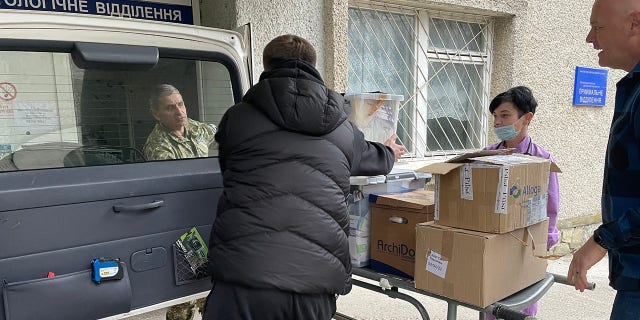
(398, 149)
(583, 259)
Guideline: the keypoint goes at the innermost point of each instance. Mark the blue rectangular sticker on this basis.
(133, 9)
(590, 87)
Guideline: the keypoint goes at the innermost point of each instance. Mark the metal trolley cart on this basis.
(390, 285)
(507, 308)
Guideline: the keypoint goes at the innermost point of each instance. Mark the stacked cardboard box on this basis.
(491, 192)
(479, 268)
(490, 229)
(393, 222)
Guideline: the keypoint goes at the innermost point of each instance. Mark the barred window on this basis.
(439, 62)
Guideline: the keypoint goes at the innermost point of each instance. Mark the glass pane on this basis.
(456, 35)
(55, 114)
(380, 58)
(454, 108)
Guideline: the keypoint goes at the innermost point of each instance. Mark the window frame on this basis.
(421, 18)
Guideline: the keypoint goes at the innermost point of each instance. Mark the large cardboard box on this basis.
(479, 268)
(491, 192)
(393, 236)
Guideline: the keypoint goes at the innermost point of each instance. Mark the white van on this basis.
(74, 183)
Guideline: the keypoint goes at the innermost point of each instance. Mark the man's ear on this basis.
(635, 22)
(154, 114)
(528, 117)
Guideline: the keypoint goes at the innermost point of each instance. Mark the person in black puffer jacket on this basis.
(278, 246)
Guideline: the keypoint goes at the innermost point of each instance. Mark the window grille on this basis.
(439, 62)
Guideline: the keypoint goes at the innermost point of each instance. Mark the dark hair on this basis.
(520, 96)
(160, 91)
(287, 47)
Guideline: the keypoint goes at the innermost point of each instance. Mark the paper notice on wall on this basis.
(6, 111)
(5, 149)
(503, 191)
(436, 265)
(436, 196)
(466, 182)
(35, 116)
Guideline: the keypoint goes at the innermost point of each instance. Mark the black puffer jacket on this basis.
(286, 154)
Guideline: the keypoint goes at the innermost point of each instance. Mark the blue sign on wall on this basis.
(590, 87)
(134, 9)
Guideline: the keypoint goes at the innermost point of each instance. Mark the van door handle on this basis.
(138, 207)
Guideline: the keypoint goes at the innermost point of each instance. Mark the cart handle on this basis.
(563, 280)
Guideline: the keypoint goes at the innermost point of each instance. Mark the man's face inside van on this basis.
(171, 113)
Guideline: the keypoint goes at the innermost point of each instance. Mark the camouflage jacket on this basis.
(162, 144)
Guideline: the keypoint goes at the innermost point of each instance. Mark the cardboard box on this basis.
(479, 268)
(393, 236)
(491, 192)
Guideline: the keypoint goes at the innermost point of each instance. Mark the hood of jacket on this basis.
(294, 97)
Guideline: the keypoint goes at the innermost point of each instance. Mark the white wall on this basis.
(270, 19)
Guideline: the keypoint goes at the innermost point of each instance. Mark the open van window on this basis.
(55, 113)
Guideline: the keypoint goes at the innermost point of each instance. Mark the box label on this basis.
(536, 209)
(436, 265)
(436, 195)
(503, 191)
(466, 182)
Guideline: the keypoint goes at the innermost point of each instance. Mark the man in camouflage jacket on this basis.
(175, 136)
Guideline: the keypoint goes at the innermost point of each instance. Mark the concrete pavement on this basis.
(560, 302)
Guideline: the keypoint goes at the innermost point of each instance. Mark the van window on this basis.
(55, 114)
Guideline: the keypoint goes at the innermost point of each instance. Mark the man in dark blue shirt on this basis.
(615, 32)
